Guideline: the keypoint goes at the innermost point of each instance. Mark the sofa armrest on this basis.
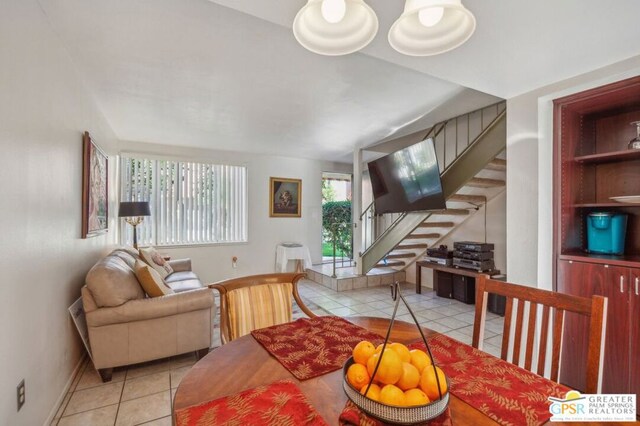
(180, 265)
(150, 308)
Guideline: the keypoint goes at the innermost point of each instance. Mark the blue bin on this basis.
(606, 232)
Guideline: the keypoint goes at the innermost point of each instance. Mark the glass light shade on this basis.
(333, 11)
(413, 35)
(353, 32)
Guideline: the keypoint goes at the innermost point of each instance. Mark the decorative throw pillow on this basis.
(156, 261)
(151, 281)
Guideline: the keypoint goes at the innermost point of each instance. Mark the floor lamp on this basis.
(133, 213)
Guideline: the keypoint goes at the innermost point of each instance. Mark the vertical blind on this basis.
(191, 203)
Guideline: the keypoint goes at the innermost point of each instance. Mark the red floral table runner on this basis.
(280, 403)
(353, 416)
(311, 347)
(503, 391)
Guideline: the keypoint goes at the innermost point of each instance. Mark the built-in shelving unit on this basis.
(609, 157)
(592, 164)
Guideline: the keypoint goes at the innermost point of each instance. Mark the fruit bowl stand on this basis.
(391, 413)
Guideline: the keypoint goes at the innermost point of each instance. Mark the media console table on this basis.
(451, 282)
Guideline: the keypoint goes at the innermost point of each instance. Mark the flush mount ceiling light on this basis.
(335, 27)
(430, 27)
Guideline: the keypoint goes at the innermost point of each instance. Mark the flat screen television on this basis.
(407, 180)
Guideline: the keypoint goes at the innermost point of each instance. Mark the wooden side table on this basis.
(455, 271)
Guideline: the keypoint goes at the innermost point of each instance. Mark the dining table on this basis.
(244, 363)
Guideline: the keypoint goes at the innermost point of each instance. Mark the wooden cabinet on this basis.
(634, 327)
(621, 369)
(592, 164)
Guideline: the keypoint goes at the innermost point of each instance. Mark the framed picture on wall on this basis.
(95, 189)
(285, 197)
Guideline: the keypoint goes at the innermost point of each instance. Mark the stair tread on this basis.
(390, 264)
(437, 225)
(478, 199)
(477, 182)
(451, 212)
(421, 236)
(396, 255)
(412, 246)
(497, 164)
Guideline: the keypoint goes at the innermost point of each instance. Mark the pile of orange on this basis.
(402, 379)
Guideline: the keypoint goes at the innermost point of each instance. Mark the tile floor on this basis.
(142, 394)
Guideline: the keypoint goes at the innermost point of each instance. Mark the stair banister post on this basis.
(356, 208)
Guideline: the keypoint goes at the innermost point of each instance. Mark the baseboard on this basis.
(65, 390)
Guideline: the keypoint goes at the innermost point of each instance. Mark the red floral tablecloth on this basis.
(503, 391)
(280, 403)
(311, 347)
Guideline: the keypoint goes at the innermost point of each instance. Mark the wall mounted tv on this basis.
(407, 180)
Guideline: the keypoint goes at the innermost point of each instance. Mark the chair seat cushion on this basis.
(251, 308)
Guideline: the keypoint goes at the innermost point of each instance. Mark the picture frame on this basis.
(95, 188)
(285, 197)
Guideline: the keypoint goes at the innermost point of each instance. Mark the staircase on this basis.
(470, 178)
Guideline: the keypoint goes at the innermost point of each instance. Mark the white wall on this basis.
(530, 172)
(213, 262)
(44, 108)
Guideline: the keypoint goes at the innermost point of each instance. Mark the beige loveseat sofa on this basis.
(126, 327)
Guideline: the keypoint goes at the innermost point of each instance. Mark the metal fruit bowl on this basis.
(391, 413)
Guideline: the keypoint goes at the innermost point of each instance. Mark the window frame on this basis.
(155, 158)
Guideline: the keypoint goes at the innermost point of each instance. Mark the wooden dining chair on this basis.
(554, 305)
(257, 301)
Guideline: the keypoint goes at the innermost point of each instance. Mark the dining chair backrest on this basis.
(550, 327)
(257, 301)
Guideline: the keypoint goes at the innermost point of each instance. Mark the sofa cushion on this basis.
(156, 261)
(129, 255)
(151, 281)
(180, 276)
(185, 285)
(251, 308)
(112, 282)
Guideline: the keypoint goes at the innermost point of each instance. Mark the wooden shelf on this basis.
(628, 260)
(609, 157)
(612, 204)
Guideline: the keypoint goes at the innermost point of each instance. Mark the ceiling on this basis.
(228, 74)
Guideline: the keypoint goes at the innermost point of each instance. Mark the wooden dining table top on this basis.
(244, 364)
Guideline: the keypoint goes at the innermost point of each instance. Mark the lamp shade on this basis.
(431, 27)
(347, 28)
(134, 208)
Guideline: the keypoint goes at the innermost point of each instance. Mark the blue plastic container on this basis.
(606, 232)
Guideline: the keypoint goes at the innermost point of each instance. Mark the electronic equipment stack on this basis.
(440, 256)
(474, 256)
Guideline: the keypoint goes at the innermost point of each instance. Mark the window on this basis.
(191, 203)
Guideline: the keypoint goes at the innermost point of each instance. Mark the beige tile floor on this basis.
(142, 394)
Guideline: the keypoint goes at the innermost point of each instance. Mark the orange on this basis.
(410, 377)
(392, 395)
(379, 348)
(401, 350)
(374, 392)
(415, 397)
(429, 384)
(363, 351)
(390, 368)
(357, 375)
(419, 359)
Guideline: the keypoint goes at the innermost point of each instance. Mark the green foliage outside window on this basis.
(336, 225)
